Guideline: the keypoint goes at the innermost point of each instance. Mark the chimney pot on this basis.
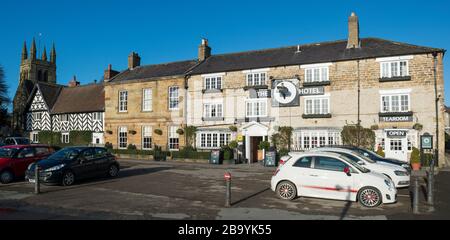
(109, 73)
(74, 82)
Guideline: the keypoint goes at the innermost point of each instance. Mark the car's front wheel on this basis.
(6, 177)
(68, 178)
(113, 170)
(286, 190)
(369, 197)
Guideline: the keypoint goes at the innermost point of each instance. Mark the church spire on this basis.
(33, 50)
(44, 54)
(53, 54)
(24, 51)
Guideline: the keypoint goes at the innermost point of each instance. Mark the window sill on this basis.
(255, 119)
(256, 87)
(394, 79)
(311, 84)
(213, 119)
(391, 114)
(212, 90)
(316, 115)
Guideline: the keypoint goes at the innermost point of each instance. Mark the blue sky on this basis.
(91, 34)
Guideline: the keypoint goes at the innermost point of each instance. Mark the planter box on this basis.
(189, 160)
(134, 156)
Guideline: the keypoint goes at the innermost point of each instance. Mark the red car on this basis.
(14, 159)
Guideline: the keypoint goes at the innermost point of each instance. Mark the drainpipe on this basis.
(186, 87)
(359, 106)
(437, 111)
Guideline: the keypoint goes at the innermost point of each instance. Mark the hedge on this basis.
(191, 154)
(130, 151)
(76, 138)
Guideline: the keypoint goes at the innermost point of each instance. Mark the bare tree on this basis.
(4, 98)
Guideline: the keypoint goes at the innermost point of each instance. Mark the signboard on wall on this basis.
(285, 93)
(307, 91)
(396, 118)
(396, 133)
(260, 93)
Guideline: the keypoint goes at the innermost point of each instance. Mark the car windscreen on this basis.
(65, 154)
(355, 165)
(7, 152)
(22, 141)
(364, 157)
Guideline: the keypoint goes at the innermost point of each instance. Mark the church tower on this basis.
(32, 70)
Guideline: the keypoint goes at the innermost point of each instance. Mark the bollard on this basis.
(430, 184)
(227, 177)
(416, 196)
(37, 187)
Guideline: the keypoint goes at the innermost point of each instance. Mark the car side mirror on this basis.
(82, 160)
(347, 171)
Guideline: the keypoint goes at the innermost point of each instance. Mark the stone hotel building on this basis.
(315, 88)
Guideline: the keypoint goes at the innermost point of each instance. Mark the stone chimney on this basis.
(204, 51)
(109, 73)
(353, 32)
(134, 60)
(74, 82)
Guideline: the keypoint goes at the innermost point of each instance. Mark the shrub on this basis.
(283, 152)
(418, 127)
(264, 145)
(108, 145)
(158, 131)
(189, 152)
(233, 144)
(190, 132)
(180, 131)
(350, 136)
(131, 147)
(233, 128)
(227, 153)
(415, 155)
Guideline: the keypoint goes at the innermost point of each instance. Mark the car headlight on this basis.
(29, 166)
(55, 168)
(401, 173)
(388, 182)
(406, 166)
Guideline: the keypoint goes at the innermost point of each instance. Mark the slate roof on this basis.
(155, 71)
(309, 53)
(80, 99)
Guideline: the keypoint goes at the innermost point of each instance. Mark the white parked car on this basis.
(399, 175)
(331, 176)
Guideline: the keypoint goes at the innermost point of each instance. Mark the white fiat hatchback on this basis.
(331, 176)
(399, 175)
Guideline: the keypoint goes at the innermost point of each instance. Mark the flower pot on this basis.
(416, 166)
(260, 155)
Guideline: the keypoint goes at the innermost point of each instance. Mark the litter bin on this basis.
(270, 159)
(215, 157)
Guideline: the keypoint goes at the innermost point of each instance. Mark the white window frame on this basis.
(399, 93)
(64, 118)
(213, 139)
(147, 100)
(256, 101)
(147, 134)
(35, 137)
(390, 74)
(303, 139)
(120, 130)
(36, 114)
(211, 82)
(251, 79)
(322, 99)
(321, 67)
(123, 101)
(174, 99)
(173, 135)
(65, 137)
(208, 109)
(97, 116)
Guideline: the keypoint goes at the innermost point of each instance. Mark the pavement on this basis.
(170, 190)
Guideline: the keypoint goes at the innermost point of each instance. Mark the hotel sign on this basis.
(396, 118)
(311, 91)
(260, 93)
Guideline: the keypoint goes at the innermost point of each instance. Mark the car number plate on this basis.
(31, 180)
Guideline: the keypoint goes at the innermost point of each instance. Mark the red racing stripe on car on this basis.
(333, 189)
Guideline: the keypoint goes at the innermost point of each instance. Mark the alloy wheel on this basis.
(68, 179)
(370, 197)
(6, 177)
(113, 170)
(286, 191)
